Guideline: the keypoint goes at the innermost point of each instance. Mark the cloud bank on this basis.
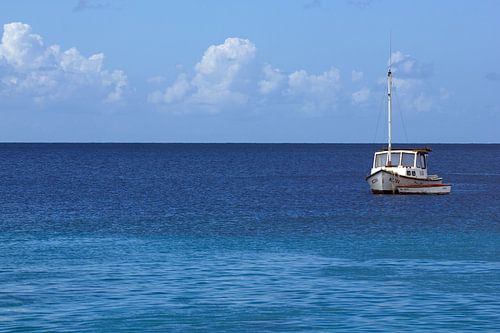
(30, 70)
(225, 78)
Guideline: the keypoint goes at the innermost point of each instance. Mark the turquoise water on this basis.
(216, 238)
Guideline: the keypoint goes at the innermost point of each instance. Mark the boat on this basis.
(425, 189)
(402, 170)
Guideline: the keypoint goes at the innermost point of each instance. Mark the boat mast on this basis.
(389, 107)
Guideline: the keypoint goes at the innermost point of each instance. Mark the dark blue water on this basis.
(260, 238)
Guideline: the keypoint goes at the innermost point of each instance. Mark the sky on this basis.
(249, 71)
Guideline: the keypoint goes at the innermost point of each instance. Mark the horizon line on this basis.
(245, 142)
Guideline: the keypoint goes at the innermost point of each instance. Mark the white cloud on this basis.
(216, 81)
(324, 85)
(406, 66)
(273, 80)
(311, 93)
(20, 48)
(157, 79)
(423, 102)
(116, 81)
(413, 94)
(412, 89)
(29, 69)
(356, 76)
(217, 72)
(227, 76)
(173, 93)
(361, 96)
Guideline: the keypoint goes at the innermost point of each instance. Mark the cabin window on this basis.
(395, 158)
(408, 159)
(380, 160)
(421, 161)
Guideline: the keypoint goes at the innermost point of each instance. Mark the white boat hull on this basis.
(425, 189)
(388, 182)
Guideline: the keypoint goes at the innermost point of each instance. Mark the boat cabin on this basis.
(407, 162)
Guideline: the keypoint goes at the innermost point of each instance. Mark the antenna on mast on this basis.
(390, 49)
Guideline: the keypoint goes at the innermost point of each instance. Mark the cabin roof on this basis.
(419, 150)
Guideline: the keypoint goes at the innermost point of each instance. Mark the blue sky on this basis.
(248, 71)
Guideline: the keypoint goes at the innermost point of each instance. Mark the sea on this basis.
(244, 238)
